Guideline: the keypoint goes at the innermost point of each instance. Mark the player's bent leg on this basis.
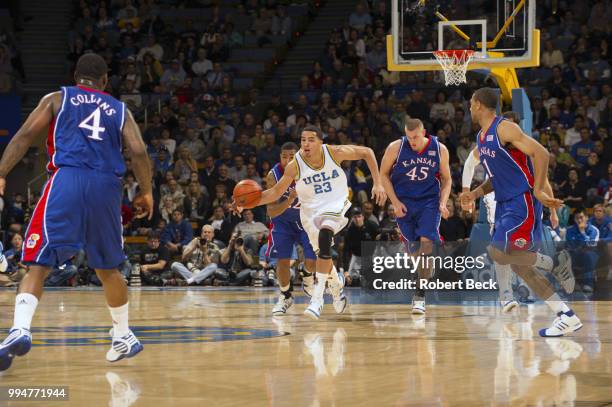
(285, 299)
(124, 343)
(19, 340)
(424, 272)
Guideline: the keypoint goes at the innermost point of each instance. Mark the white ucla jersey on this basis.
(322, 188)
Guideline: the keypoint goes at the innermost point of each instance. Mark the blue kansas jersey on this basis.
(87, 132)
(510, 169)
(291, 214)
(416, 174)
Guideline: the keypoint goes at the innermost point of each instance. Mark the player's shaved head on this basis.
(91, 66)
(488, 97)
(413, 124)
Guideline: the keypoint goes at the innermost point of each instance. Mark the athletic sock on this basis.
(556, 304)
(419, 294)
(286, 290)
(503, 273)
(544, 262)
(319, 289)
(120, 320)
(25, 306)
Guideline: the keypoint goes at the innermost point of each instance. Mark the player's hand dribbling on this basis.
(547, 200)
(145, 202)
(235, 209)
(379, 195)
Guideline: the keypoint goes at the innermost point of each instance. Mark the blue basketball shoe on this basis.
(17, 343)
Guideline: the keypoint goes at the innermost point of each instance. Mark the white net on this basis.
(454, 63)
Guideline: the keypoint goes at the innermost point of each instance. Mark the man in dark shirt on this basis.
(359, 230)
(155, 262)
(453, 228)
(178, 233)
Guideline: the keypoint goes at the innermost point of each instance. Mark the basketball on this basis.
(247, 193)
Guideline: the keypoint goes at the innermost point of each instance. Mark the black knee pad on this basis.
(325, 243)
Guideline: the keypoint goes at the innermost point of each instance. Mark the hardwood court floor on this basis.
(222, 348)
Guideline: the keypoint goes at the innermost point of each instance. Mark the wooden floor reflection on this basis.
(222, 348)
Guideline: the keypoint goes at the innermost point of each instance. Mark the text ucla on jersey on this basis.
(80, 205)
(87, 132)
(510, 169)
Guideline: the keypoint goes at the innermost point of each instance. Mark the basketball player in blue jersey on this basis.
(80, 204)
(503, 272)
(416, 175)
(286, 230)
(517, 167)
(322, 189)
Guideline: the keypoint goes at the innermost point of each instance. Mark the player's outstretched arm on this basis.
(276, 208)
(271, 195)
(140, 161)
(511, 133)
(446, 180)
(35, 126)
(468, 175)
(386, 165)
(354, 153)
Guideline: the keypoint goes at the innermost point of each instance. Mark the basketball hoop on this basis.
(455, 63)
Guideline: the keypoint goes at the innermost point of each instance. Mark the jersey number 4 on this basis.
(412, 174)
(92, 123)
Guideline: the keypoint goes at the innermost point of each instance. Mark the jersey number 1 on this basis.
(92, 122)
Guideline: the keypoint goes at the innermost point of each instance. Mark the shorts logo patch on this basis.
(31, 243)
(520, 242)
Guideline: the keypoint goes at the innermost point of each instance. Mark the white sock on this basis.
(319, 289)
(120, 320)
(333, 275)
(25, 307)
(504, 275)
(556, 304)
(284, 288)
(544, 262)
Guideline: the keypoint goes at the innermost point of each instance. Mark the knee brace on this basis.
(325, 243)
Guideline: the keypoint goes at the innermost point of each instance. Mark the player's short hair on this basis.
(314, 129)
(512, 116)
(289, 146)
(413, 124)
(489, 97)
(91, 66)
(154, 235)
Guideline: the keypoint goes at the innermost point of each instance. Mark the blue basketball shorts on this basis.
(422, 219)
(518, 223)
(78, 209)
(283, 235)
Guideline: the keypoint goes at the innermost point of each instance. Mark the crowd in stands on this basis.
(204, 136)
(12, 72)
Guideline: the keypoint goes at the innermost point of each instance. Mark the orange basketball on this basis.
(247, 193)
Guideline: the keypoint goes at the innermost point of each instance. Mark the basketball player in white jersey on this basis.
(322, 190)
(503, 273)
